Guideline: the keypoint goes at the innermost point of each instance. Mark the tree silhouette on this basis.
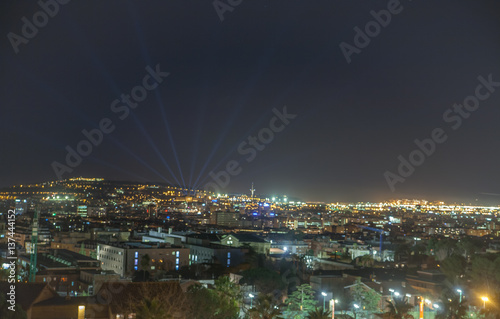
(301, 301)
(151, 309)
(265, 307)
(398, 309)
(319, 313)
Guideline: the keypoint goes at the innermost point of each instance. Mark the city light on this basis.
(484, 299)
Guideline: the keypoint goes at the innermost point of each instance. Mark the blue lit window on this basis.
(177, 267)
(228, 255)
(176, 261)
(135, 267)
(136, 254)
(136, 262)
(177, 254)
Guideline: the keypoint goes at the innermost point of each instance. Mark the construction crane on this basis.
(34, 247)
(381, 231)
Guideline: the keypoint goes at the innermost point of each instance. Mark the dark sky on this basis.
(226, 77)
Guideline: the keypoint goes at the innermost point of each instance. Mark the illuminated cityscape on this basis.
(250, 159)
(93, 231)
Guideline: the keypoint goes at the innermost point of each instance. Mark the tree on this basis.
(398, 309)
(365, 297)
(300, 302)
(468, 246)
(266, 280)
(402, 252)
(445, 248)
(82, 249)
(145, 262)
(365, 260)
(454, 268)
(205, 303)
(251, 256)
(265, 307)
(453, 309)
(147, 299)
(151, 309)
(319, 313)
(228, 290)
(5, 313)
(485, 273)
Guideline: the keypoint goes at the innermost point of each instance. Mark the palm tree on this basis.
(399, 308)
(319, 313)
(265, 307)
(366, 261)
(453, 308)
(151, 309)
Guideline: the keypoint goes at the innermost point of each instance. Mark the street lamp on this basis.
(251, 300)
(332, 306)
(324, 300)
(460, 292)
(484, 299)
(392, 291)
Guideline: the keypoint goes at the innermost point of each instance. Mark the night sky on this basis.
(225, 78)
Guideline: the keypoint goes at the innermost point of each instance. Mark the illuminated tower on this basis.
(252, 190)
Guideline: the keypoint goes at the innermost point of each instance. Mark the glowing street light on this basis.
(251, 300)
(324, 300)
(460, 292)
(484, 299)
(356, 306)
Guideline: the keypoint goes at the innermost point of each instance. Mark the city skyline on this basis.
(177, 106)
(25, 191)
